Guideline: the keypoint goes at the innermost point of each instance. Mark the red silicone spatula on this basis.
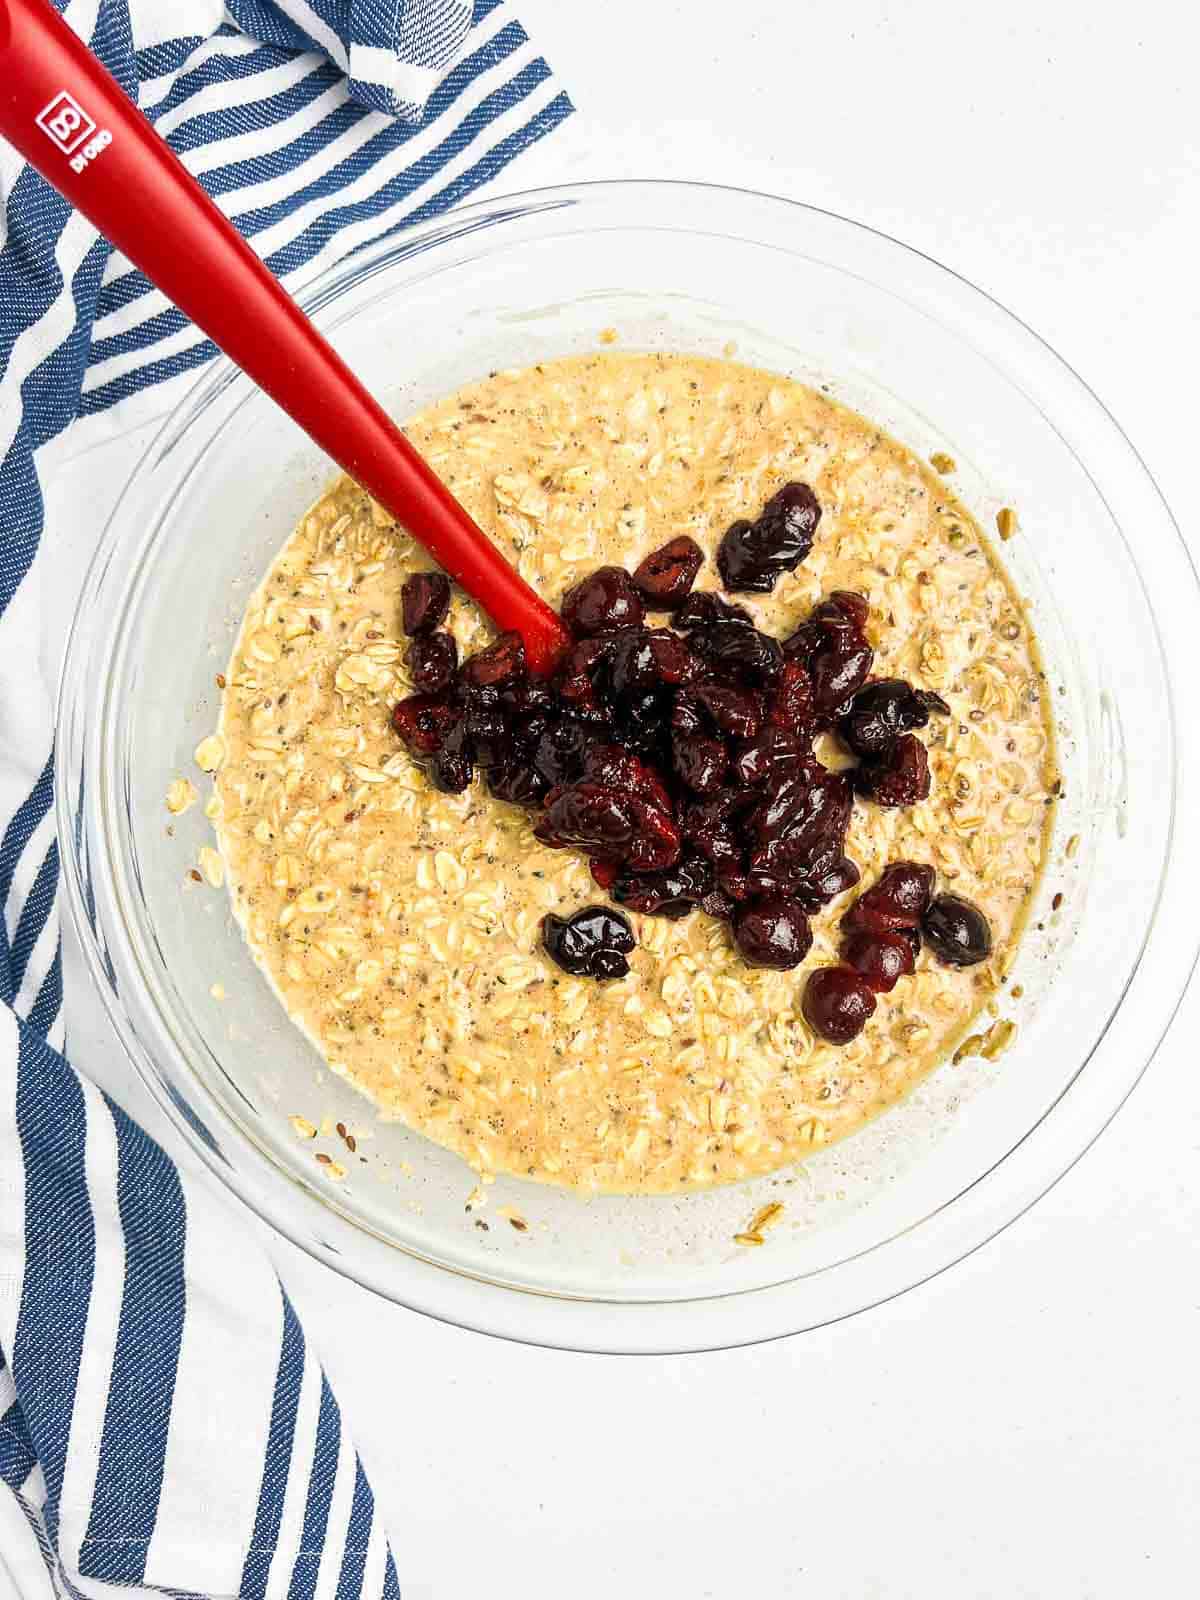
(71, 120)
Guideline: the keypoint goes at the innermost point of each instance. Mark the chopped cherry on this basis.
(453, 767)
(646, 658)
(673, 892)
(738, 653)
(664, 579)
(835, 650)
(957, 931)
(901, 778)
(599, 821)
(838, 1003)
(687, 715)
(593, 943)
(702, 608)
(832, 877)
(602, 602)
(803, 821)
(855, 607)
(424, 602)
(714, 824)
(792, 701)
(881, 711)
(735, 711)
(614, 768)
(754, 555)
(579, 675)
(700, 761)
(424, 722)
(487, 736)
(517, 783)
(656, 841)
(674, 662)
(558, 754)
(881, 958)
(499, 666)
(898, 898)
(432, 661)
(604, 873)
(771, 756)
(772, 933)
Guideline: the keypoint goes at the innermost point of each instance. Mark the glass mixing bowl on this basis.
(689, 268)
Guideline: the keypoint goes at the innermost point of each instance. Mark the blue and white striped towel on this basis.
(163, 1425)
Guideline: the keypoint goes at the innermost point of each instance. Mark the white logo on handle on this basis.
(66, 122)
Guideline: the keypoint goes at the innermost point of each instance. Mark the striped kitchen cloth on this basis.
(163, 1424)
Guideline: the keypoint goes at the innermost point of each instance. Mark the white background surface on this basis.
(1028, 1424)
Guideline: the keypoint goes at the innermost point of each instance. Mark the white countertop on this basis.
(1029, 1423)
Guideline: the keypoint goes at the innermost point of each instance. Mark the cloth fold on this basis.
(392, 55)
(163, 1424)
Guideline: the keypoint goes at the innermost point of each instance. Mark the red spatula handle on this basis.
(73, 122)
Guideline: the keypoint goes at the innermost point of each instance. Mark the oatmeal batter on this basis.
(401, 925)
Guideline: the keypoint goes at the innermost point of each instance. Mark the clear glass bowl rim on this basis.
(466, 1301)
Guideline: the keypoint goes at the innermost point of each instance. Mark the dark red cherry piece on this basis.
(773, 932)
(900, 778)
(881, 711)
(700, 761)
(592, 943)
(500, 665)
(897, 899)
(665, 578)
(432, 661)
(603, 601)
(424, 601)
(837, 1004)
(957, 931)
(881, 958)
(753, 556)
(424, 722)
